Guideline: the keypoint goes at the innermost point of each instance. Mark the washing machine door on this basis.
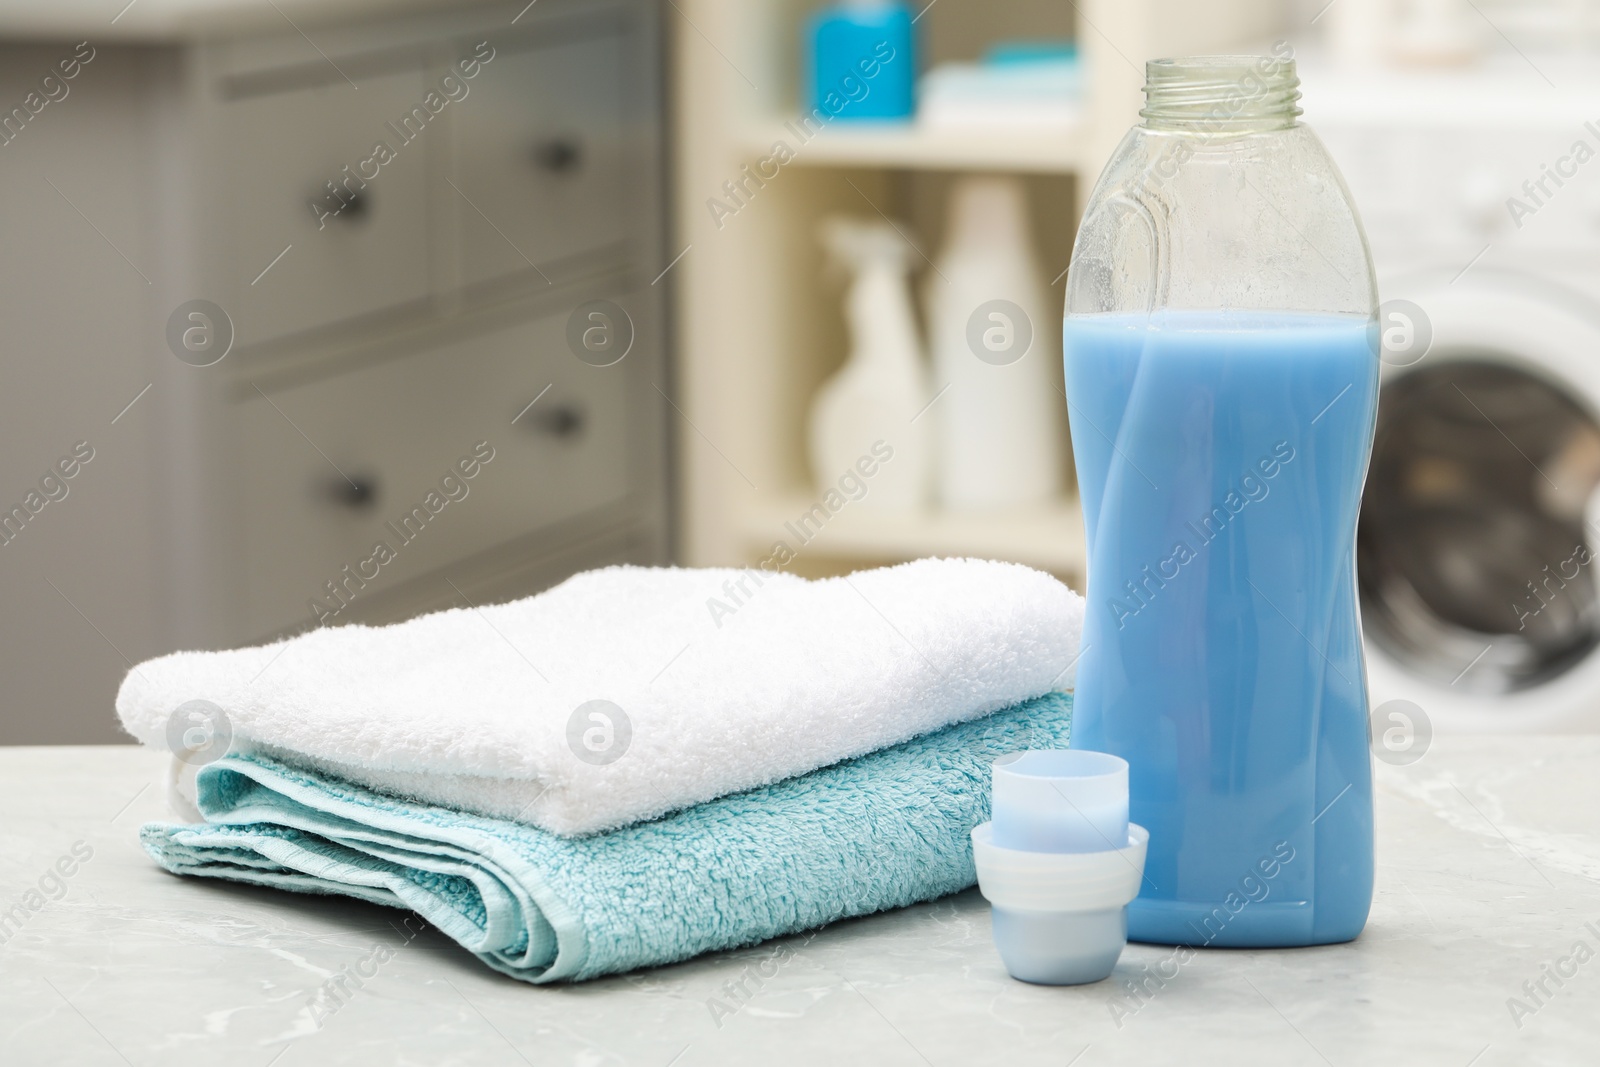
(1476, 571)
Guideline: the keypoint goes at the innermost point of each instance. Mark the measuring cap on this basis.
(1059, 864)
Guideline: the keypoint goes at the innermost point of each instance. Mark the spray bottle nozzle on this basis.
(852, 243)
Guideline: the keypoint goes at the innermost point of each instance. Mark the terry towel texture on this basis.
(881, 831)
(726, 680)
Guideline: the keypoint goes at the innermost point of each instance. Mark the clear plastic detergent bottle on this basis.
(1222, 376)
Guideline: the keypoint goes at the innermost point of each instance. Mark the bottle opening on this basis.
(1221, 94)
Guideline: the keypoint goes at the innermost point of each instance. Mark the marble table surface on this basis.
(1488, 884)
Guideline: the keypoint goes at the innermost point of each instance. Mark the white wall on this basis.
(75, 347)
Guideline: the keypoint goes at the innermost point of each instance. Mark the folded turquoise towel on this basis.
(882, 831)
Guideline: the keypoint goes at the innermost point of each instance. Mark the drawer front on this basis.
(543, 159)
(398, 432)
(367, 255)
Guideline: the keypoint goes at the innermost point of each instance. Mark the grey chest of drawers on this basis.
(432, 241)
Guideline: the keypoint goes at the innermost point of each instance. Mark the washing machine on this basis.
(1479, 540)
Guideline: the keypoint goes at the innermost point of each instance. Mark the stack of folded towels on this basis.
(632, 768)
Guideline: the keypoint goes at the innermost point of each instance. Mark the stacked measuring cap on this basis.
(1059, 863)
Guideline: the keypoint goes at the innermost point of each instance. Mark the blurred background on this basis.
(337, 312)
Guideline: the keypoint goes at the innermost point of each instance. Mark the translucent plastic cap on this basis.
(1059, 864)
(1062, 800)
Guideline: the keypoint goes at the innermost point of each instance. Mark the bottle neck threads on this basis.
(1221, 94)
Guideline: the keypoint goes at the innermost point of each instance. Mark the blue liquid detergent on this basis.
(1221, 649)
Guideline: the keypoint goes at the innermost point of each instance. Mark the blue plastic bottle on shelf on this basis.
(1222, 374)
(861, 62)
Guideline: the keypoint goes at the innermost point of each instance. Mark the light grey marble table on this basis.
(1488, 878)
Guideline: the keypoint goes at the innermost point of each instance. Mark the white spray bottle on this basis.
(866, 417)
(997, 348)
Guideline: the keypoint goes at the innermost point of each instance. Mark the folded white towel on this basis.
(709, 682)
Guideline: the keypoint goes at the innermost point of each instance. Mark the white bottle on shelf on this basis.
(865, 420)
(995, 337)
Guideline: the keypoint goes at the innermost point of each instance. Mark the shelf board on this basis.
(909, 146)
(1049, 538)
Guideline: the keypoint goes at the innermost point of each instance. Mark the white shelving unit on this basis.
(1048, 538)
(759, 324)
(912, 147)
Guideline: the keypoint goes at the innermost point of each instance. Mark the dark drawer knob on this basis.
(339, 204)
(358, 492)
(563, 421)
(559, 155)
(356, 206)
